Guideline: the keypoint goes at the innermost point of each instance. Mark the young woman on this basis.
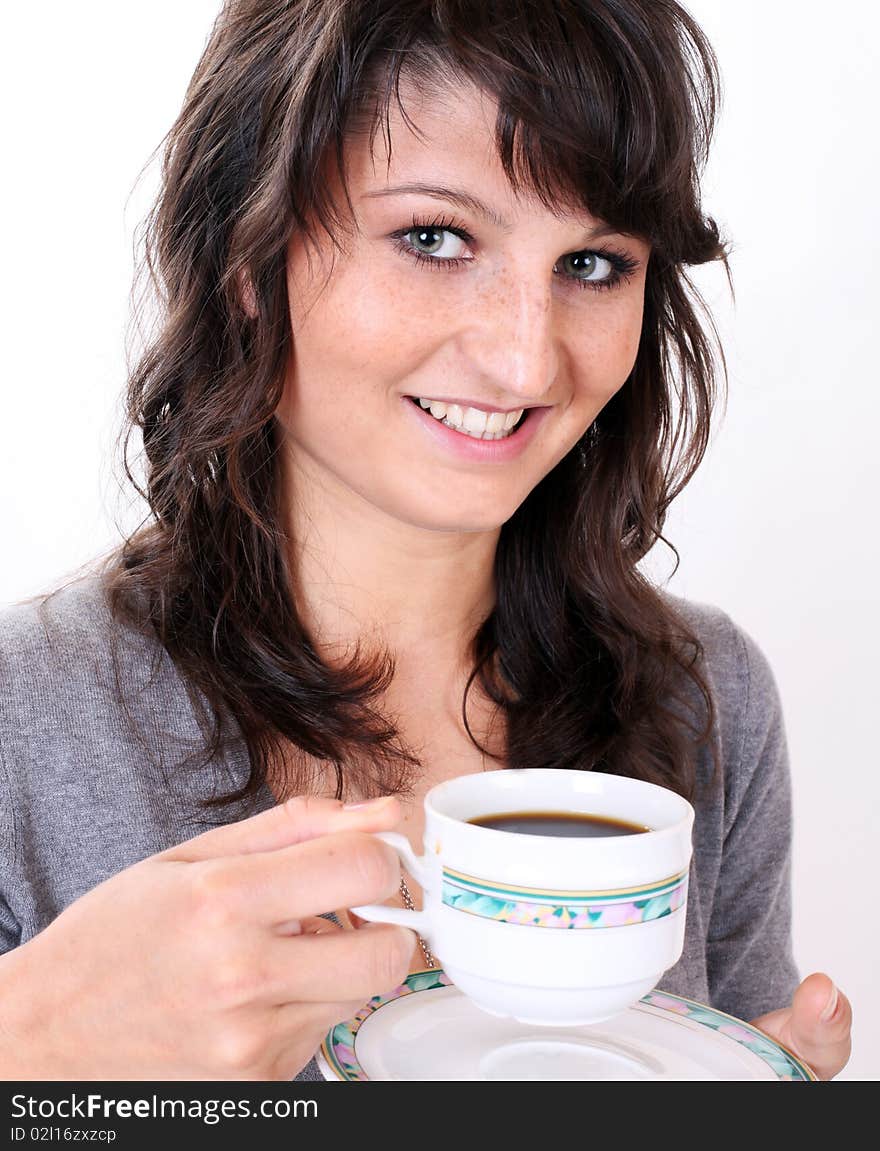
(416, 409)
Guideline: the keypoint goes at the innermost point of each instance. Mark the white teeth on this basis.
(473, 421)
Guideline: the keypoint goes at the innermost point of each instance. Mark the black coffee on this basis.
(560, 823)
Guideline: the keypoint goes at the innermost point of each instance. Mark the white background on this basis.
(778, 527)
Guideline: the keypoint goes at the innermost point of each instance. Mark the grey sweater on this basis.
(90, 786)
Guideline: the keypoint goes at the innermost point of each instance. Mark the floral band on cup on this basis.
(535, 907)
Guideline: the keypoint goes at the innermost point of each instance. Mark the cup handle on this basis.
(379, 912)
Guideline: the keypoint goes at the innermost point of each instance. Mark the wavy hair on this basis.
(607, 104)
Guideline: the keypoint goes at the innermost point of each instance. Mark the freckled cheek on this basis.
(622, 364)
(634, 317)
(375, 325)
(601, 368)
(346, 370)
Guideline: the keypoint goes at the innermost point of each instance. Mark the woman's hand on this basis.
(209, 961)
(816, 1027)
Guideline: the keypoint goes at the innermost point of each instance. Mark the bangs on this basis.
(603, 108)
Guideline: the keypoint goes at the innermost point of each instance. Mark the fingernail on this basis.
(830, 1006)
(366, 803)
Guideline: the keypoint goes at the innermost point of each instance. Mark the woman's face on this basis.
(519, 322)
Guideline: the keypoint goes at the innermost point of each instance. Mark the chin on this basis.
(434, 509)
(461, 524)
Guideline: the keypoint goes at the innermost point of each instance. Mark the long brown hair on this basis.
(607, 104)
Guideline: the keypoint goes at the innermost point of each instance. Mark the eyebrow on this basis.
(472, 204)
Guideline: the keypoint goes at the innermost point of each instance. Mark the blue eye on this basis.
(430, 233)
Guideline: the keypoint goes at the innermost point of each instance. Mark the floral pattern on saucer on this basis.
(338, 1049)
(784, 1062)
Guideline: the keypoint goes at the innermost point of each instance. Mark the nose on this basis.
(512, 341)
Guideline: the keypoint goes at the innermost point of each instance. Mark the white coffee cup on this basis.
(549, 930)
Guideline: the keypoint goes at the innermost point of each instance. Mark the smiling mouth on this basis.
(471, 421)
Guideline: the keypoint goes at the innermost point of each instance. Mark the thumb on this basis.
(294, 821)
(820, 1024)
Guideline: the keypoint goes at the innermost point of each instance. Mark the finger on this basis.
(310, 925)
(339, 966)
(820, 1025)
(293, 1024)
(345, 869)
(287, 1038)
(296, 820)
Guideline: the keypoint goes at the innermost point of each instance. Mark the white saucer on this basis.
(426, 1029)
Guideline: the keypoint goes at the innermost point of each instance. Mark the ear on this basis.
(246, 295)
